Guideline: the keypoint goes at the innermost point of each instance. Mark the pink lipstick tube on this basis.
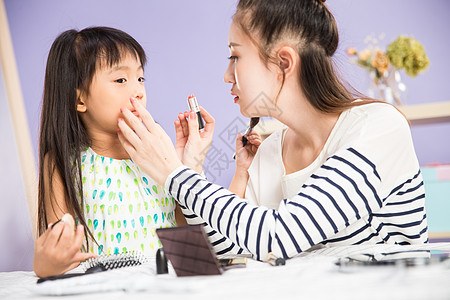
(193, 106)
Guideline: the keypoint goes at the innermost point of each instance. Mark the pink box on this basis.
(443, 172)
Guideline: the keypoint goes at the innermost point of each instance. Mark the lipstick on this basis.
(193, 106)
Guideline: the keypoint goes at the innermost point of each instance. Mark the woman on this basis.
(347, 167)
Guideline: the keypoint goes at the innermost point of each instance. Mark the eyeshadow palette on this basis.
(189, 250)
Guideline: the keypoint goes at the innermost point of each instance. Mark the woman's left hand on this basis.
(245, 154)
(147, 143)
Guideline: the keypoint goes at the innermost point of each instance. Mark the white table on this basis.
(311, 276)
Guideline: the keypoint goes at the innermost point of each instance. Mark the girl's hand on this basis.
(192, 144)
(58, 250)
(245, 155)
(147, 143)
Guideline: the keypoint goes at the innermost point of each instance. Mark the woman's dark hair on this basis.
(312, 29)
(72, 62)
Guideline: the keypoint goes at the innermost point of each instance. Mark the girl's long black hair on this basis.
(72, 62)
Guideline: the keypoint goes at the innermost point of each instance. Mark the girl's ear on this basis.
(81, 104)
(288, 59)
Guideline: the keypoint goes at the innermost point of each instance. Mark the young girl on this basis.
(83, 169)
(345, 167)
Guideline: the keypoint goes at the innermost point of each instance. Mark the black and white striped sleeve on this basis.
(221, 244)
(339, 193)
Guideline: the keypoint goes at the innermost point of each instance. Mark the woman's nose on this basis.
(228, 77)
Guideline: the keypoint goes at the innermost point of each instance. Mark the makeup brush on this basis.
(253, 122)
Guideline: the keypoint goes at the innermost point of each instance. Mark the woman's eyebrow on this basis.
(232, 44)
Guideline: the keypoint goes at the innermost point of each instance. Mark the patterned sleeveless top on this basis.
(123, 206)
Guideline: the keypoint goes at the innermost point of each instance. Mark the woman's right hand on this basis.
(245, 154)
(58, 250)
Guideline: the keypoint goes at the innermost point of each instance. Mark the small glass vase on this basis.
(387, 86)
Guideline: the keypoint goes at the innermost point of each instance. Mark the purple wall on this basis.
(186, 42)
(187, 46)
(428, 22)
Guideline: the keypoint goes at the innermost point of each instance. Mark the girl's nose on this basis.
(228, 77)
(139, 91)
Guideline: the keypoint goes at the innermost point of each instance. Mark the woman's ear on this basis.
(81, 104)
(288, 60)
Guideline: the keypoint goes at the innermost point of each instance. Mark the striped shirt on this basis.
(369, 190)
